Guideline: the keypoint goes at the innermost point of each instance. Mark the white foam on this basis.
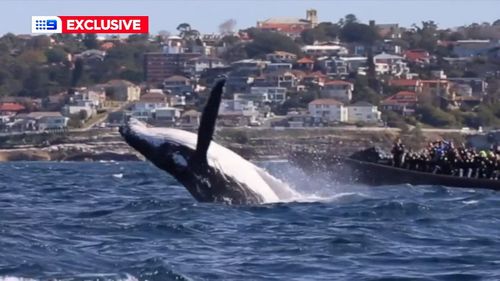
(13, 278)
(231, 164)
(118, 176)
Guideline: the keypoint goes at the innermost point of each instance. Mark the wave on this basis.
(127, 277)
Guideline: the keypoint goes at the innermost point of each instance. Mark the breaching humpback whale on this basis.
(209, 171)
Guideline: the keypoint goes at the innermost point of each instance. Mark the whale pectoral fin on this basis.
(207, 123)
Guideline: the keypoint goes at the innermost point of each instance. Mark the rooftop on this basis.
(11, 106)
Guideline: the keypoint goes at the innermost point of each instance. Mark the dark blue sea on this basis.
(131, 221)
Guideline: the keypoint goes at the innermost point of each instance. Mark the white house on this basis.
(325, 50)
(48, 120)
(270, 94)
(280, 56)
(390, 64)
(328, 110)
(199, 64)
(363, 112)
(69, 110)
(166, 115)
(245, 107)
(339, 90)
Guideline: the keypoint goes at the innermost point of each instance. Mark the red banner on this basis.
(105, 24)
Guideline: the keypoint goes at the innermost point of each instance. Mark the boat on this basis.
(367, 168)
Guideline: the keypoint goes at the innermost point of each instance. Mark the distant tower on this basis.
(312, 17)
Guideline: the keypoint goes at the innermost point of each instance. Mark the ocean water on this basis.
(131, 221)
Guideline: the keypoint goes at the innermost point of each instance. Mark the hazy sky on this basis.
(15, 16)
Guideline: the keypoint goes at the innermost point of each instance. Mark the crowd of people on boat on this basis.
(443, 157)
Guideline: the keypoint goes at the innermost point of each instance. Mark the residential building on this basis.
(95, 96)
(55, 102)
(160, 65)
(407, 84)
(165, 116)
(390, 30)
(330, 110)
(199, 64)
(418, 56)
(470, 48)
(281, 57)
(325, 50)
(280, 78)
(11, 108)
(154, 96)
(190, 119)
(277, 66)
(388, 46)
(250, 65)
(269, 94)
(292, 27)
(77, 109)
(478, 85)
(404, 102)
(338, 89)
(363, 112)
(122, 90)
(314, 79)
(42, 121)
(305, 64)
(178, 85)
(238, 112)
(437, 88)
(342, 66)
(390, 64)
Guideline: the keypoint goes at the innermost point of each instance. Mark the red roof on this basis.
(305, 60)
(326, 101)
(11, 106)
(401, 98)
(404, 82)
(417, 55)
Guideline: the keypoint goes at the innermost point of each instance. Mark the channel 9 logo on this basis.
(45, 24)
(89, 24)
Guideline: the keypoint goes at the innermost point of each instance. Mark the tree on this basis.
(163, 35)
(40, 42)
(142, 38)
(227, 27)
(324, 31)
(235, 53)
(350, 19)
(187, 33)
(90, 41)
(358, 33)
(434, 116)
(83, 115)
(77, 72)
(265, 42)
(56, 55)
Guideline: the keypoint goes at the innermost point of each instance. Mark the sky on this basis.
(207, 15)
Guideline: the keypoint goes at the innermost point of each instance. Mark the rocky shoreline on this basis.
(250, 144)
